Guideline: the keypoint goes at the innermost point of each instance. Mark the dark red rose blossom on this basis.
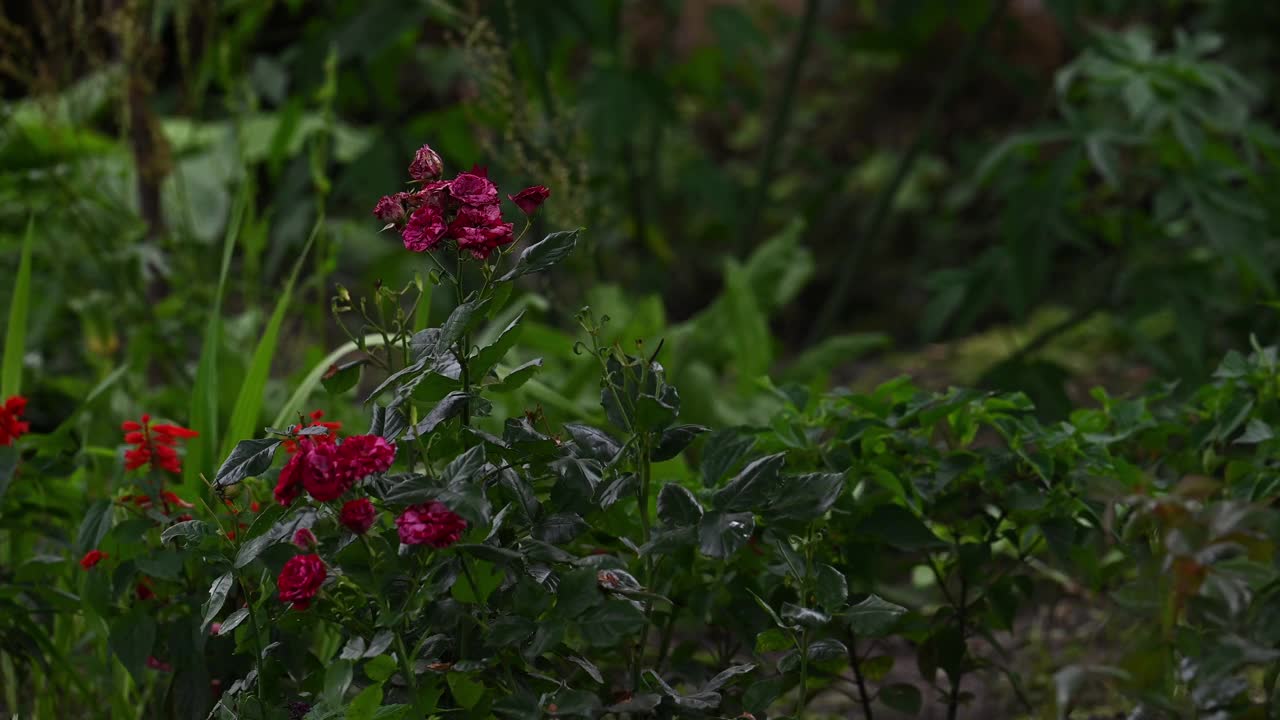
(320, 474)
(360, 456)
(431, 524)
(479, 229)
(425, 229)
(530, 198)
(426, 164)
(154, 445)
(473, 189)
(358, 515)
(390, 208)
(301, 579)
(289, 485)
(11, 428)
(304, 539)
(91, 558)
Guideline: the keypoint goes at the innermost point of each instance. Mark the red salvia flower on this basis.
(291, 446)
(11, 428)
(154, 445)
(91, 558)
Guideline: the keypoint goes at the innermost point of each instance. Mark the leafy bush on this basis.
(452, 561)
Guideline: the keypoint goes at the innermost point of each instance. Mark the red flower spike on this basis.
(154, 445)
(11, 428)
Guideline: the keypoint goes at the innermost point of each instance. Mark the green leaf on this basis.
(518, 376)
(722, 451)
(677, 507)
(560, 528)
(675, 439)
(487, 357)
(341, 378)
(337, 678)
(543, 254)
(874, 616)
(97, 521)
(233, 621)
(204, 409)
(722, 534)
(189, 530)
(761, 694)
(315, 378)
(1255, 432)
(244, 415)
(608, 624)
(131, 638)
(752, 487)
(596, 444)
(805, 497)
(830, 587)
(836, 351)
(463, 318)
(380, 669)
(902, 697)
(249, 458)
(466, 692)
(365, 705)
(745, 327)
(802, 616)
(449, 407)
(487, 577)
(15, 335)
(773, 640)
(577, 592)
(217, 596)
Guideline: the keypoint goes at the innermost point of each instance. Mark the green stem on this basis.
(801, 701)
(645, 471)
(257, 646)
(864, 698)
(406, 667)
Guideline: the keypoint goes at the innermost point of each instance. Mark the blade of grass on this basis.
(203, 413)
(244, 417)
(15, 338)
(313, 378)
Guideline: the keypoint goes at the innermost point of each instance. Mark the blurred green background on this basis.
(1032, 194)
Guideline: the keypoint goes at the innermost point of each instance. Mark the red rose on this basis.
(530, 198)
(425, 229)
(301, 579)
(360, 456)
(91, 558)
(289, 486)
(390, 208)
(430, 524)
(358, 515)
(321, 472)
(473, 189)
(11, 428)
(305, 539)
(426, 164)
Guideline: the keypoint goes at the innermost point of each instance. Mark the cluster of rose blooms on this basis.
(466, 209)
(323, 466)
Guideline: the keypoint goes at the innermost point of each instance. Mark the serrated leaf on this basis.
(190, 530)
(675, 439)
(874, 616)
(595, 443)
(722, 534)
(831, 588)
(752, 487)
(462, 319)
(448, 407)
(543, 254)
(608, 624)
(217, 596)
(722, 451)
(233, 621)
(677, 507)
(805, 497)
(249, 458)
(490, 355)
(518, 376)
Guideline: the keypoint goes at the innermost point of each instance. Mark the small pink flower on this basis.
(430, 523)
(530, 198)
(156, 664)
(215, 628)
